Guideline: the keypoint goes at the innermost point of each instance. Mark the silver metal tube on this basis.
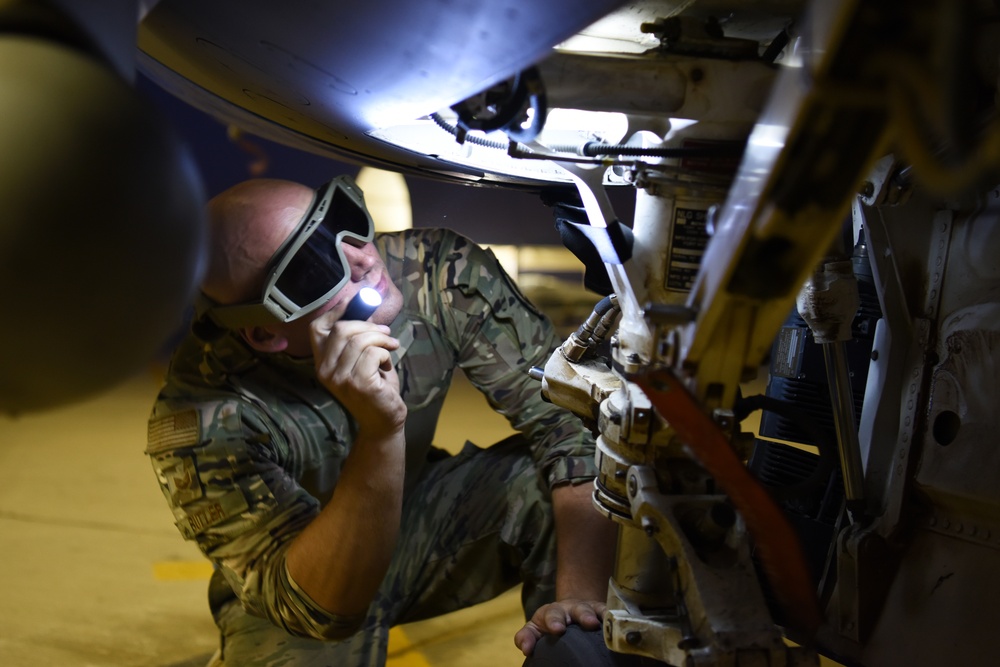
(842, 400)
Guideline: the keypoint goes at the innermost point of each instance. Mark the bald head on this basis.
(247, 224)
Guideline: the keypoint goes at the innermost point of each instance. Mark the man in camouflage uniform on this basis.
(299, 454)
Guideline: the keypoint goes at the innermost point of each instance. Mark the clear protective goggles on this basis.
(310, 267)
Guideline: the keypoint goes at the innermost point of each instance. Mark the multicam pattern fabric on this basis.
(248, 448)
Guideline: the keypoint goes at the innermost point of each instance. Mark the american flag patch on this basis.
(172, 431)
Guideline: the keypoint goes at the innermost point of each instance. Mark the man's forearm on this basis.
(585, 542)
(340, 558)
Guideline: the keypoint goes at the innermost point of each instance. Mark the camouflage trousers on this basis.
(475, 525)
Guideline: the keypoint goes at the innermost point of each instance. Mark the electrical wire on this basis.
(592, 149)
(471, 138)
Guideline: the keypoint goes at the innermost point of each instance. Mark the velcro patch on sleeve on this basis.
(182, 481)
(172, 431)
(202, 516)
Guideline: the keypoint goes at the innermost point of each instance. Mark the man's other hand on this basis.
(553, 619)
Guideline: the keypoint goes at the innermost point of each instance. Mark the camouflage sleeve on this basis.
(501, 335)
(219, 467)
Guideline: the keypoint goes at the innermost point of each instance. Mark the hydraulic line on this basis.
(593, 148)
(722, 150)
(592, 332)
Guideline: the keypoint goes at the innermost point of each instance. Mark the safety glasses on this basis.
(309, 267)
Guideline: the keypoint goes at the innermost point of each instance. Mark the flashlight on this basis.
(362, 305)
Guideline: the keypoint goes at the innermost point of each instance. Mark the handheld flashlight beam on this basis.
(362, 305)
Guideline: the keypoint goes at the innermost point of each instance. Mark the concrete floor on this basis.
(93, 572)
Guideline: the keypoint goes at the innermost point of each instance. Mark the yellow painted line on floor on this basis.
(180, 570)
(402, 652)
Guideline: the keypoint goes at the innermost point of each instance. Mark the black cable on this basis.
(775, 47)
(471, 138)
(597, 149)
(725, 150)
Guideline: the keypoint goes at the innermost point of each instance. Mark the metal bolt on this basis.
(633, 638)
(649, 526)
(724, 418)
(633, 485)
